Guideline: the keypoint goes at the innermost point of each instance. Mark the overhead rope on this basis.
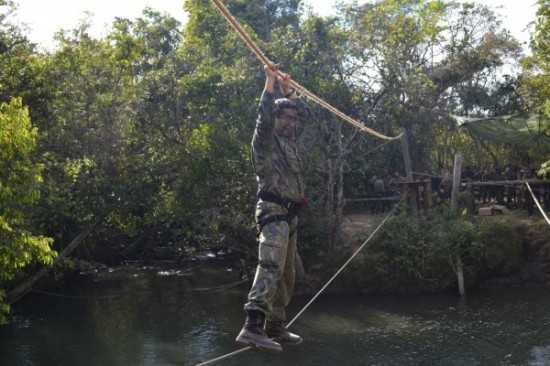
(373, 150)
(537, 202)
(221, 7)
(318, 293)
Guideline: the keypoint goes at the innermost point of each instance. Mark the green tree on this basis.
(535, 81)
(19, 187)
(536, 78)
(21, 67)
(430, 57)
(81, 131)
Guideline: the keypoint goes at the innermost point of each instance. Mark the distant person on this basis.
(387, 178)
(392, 185)
(510, 175)
(498, 189)
(398, 178)
(434, 182)
(468, 174)
(445, 188)
(484, 190)
(467, 200)
(379, 189)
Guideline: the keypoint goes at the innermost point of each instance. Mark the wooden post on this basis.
(457, 171)
(454, 213)
(460, 275)
(408, 170)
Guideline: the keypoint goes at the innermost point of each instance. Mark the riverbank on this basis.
(532, 267)
(140, 315)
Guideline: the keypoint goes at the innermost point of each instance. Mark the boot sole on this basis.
(286, 343)
(246, 342)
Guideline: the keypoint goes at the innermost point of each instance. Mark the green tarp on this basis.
(525, 130)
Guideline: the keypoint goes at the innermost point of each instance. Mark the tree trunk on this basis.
(408, 170)
(335, 187)
(16, 293)
(479, 142)
(334, 151)
(329, 203)
(338, 202)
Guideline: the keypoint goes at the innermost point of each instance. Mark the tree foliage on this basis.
(19, 188)
(419, 255)
(431, 58)
(535, 81)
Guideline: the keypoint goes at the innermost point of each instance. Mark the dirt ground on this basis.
(357, 225)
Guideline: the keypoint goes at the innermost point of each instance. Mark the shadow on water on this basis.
(140, 315)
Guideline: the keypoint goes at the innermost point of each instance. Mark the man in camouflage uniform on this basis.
(281, 193)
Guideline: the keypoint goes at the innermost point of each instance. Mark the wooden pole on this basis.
(454, 214)
(456, 185)
(510, 182)
(408, 170)
(460, 275)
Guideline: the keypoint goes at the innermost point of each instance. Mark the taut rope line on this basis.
(294, 84)
(347, 262)
(537, 202)
(317, 294)
(373, 150)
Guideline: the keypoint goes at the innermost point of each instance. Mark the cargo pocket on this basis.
(274, 244)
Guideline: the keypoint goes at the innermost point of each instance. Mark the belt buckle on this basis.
(287, 204)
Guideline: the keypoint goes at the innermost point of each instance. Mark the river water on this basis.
(139, 315)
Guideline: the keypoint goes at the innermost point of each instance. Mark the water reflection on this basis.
(150, 316)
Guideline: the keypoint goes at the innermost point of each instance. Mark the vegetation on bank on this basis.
(419, 255)
(137, 144)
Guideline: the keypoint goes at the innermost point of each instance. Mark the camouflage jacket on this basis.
(275, 159)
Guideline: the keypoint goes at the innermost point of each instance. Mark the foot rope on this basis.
(254, 47)
(316, 295)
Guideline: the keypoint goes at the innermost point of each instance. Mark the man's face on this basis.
(285, 124)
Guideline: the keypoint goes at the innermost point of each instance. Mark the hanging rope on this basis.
(294, 84)
(537, 202)
(318, 293)
(373, 150)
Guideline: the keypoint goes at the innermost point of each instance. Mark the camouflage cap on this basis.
(283, 103)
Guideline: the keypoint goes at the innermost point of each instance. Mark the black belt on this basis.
(275, 218)
(291, 206)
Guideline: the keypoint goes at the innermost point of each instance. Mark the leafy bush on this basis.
(19, 181)
(420, 254)
(501, 245)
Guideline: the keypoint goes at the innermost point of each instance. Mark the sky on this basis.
(45, 17)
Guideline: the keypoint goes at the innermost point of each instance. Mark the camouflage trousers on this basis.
(273, 284)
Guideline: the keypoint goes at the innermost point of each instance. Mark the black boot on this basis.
(278, 332)
(253, 333)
